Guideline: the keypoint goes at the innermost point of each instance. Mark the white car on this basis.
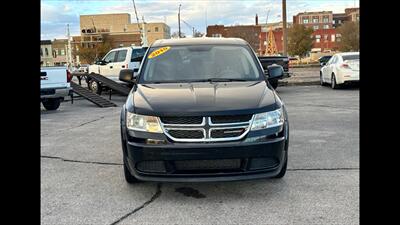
(340, 69)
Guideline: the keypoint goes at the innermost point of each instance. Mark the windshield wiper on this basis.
(225, 79)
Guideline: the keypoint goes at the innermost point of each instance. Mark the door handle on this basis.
(111, 67)
(123, 66)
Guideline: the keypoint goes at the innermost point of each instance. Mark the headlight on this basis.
(142, 123)
(268, 119)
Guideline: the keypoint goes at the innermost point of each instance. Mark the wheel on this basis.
(95, 87)
(321, 80)
(128, 176)
(334, 85)
(52, 103)
(283, 170)
(274, 83)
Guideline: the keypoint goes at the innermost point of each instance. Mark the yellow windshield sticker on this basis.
(159, 51)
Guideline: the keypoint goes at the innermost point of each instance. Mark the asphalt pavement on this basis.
(82, 177)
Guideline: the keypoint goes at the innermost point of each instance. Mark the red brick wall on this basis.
(248, 33)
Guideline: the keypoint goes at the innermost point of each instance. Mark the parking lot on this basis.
(82, 177)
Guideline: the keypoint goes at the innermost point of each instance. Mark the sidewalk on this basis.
(302, 76)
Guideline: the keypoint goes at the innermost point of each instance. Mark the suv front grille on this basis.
(230, 119)
(206, 129)
(189, 134)
(182, 120)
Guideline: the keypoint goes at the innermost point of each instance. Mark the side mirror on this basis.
(127, 75)
(274, 71)
(323, 63)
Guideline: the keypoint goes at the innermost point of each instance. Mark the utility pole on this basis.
(284, 28)
(69, 55)
(144, 36)
(179, 21)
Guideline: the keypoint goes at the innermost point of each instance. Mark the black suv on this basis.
(202, 109)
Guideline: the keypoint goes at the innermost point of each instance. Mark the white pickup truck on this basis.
(113, 62)
(54, 86)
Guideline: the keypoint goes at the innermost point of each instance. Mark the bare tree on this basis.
(350, 37)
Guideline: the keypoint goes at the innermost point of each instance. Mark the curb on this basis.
(304, 83)
(304, 66)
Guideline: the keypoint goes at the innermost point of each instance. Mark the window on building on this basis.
(325, 19)
(305, 20)
(333, 38)
(156, 29)
(317, 40)
(358, 18)
(316, 27)
(317, 36)
(326, 26)
(62, 52)
(326, 37)
(41, 52)
(315, 20)
(46, 51)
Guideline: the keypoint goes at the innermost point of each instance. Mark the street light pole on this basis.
(179, 21)
(284, 28)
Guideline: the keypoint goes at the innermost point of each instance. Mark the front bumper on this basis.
(257, 156)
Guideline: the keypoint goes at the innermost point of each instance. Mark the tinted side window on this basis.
(121, 55)
(110, 57)
(137, 53)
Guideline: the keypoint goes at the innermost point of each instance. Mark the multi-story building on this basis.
(60, 50)
(315, 20)
(92, 26)
(117, 29)
(350, 14)
(324, 23)
(353, 14)
(46, 57)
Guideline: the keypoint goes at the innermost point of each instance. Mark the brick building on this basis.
(249, 33)
(118, 30)
(59, 47)
(315, 20)
(120, 23)
(46, 57)
(324, 23)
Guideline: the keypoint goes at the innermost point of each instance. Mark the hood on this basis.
(205, 99)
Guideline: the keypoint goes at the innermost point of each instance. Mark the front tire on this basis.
(334, 85)
(321, 80)
(95, 87)
(51, 104)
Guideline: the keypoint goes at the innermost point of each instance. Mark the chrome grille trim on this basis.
(206, 133)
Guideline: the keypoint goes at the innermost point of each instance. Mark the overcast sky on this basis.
(56, 14)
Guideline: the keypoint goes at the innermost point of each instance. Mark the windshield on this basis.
(200, 63)
(351, 57)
